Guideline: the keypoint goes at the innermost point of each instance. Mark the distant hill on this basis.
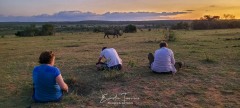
(100, 22)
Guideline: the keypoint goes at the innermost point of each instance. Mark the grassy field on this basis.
(210, 78)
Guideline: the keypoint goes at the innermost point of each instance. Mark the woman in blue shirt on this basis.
(47, 80)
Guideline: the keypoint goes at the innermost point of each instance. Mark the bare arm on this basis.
(99, 60)
(61, 83)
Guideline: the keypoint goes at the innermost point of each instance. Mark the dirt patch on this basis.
(214, 97)
(168, 92)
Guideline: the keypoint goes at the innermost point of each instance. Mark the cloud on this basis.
(212, 6)
(80, 16)
(189, 10)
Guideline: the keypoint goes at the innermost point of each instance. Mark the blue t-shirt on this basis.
(44, 80)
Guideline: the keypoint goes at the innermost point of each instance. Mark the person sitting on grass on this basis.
(163, 60)
(113, 61)
(48, 83)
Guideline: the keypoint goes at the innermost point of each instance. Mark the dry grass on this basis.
(209, 79)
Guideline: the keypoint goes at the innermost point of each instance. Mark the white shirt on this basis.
(163, 60)
(111, 56)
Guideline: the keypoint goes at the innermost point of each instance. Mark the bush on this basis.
(131, 64)
(130, 29)
(46, 29)
(213, 22)
(181, 25)
(97, 29)
(169, 35)
(172, 36)
(208, 59)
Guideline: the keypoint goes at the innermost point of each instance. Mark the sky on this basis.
(62, 10)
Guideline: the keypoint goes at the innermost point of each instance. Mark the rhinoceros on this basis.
(112, 32)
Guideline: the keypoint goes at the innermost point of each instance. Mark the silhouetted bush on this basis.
(218, 24)
(172, 36)
(46, 30)
(98, 29)
(181, 25)
(213, 22)
(130, 29)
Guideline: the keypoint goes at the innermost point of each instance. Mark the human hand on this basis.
(97, 63)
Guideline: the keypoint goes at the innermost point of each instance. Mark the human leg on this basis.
(101, 66)
(38, 101)
(169, 72)
(116, 67)
(57, 100)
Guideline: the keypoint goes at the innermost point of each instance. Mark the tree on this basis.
(210, 18)
(29, 31)
(228, 16)
(98, 29)
(213, 22)
(48, 29)
(181, 25)
(130, 29)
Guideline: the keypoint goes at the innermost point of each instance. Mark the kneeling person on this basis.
(113, 61)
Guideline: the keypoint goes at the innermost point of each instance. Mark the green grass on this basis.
(209, 79)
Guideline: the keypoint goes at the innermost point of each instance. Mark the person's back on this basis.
(46, 88)
(112, 60)
(48, 83)
(111, 56)
(163, 60)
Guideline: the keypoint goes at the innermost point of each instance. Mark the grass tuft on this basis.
(208, 59)
(131, 63)
(72, 46)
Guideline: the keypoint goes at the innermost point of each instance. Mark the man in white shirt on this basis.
(113, 61)
(163, 60)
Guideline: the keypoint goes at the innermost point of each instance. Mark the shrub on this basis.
(208, 59)
(29, 31)
(169, 35)
(131, 64)
(46, 29)
(181, 25)
(97, 29)
(213, 22)
(172, 36)
(130, 29)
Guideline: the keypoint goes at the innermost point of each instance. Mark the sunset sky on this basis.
(182, 9)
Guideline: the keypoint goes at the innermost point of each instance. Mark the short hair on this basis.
(163, 44)
(104, 48)
(46, 57)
